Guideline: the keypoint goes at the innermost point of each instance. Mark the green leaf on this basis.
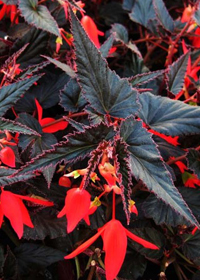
(196, 15)
(151, 235)
(46, 224)
(66, 68)
(144, 78)
(9, 2)
(191, 247)
(124, 174)
(163, 15)
(37, 44)
(176, 74)
(10, 268)
(36, 256)
(40, 142)
(14, 126)
(133, 266)
(142, 12)
(107, 45)
(39, 16)
(161, 213)
(170, 117)
(76, 147)
(11, 93)
(70, 96)
(193, 157)
(7, 179)
(120, 32)
(106, 92)
(147, 165)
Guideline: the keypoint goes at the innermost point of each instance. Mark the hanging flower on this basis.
(64, 182)
(93, 32)
(82, 172)
(77, 204)
(114, 237)
(53, 127)
(7, 156)
(12, 207)
(190, 180)
(132, 208)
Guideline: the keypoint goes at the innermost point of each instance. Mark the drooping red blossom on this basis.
(93, 32)
(64, 182)
(9, 10)
(77, 204)
(7, 156)
(12, 207)
(51, 128)
(190, 180)
(182, 167)
(108, 171)
(114, 237)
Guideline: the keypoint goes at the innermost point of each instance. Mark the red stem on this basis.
(113, 213)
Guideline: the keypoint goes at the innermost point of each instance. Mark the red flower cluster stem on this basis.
(114, 237)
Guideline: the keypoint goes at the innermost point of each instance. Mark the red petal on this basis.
(11, 209)
(1, 215)
(85, 245)
(115, 244)
(91, 29)
(62, 212)
(87, 220)
(25, 215)
(39, 110)
(54, 127)
(36, 200)
(77, 206)
(3, 11)
(141, 241)
(65, 182)
(7, 156)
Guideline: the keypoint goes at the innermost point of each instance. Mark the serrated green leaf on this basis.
(170, 117)
(163, 15)
(70, 96)
(133, 266)
(11, 93)
(151, 235)
(41, 141)
(10, 2)
(161, 213)
(106, 92)
(16, 127)
(196, 15)
(193, 157)
(176, 74)
(36, 256)
(106, 46)
(146, 165)
(191, 247)
(10, 269)
(39, 16)
(46, 224)
(144, 78)
(66, 68)
(120, 32)
(122, 160)
(77, 146)
(142, 12)
(37, 44)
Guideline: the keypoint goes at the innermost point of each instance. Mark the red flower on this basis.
(53, 127)
(192, 72)
(9, 9)
(64, 182)
(114, 237)
(12, 207)
(132, 208)
(7, 156)
(77, 204)
(190, 180)
(182, 167)
(92, 31)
